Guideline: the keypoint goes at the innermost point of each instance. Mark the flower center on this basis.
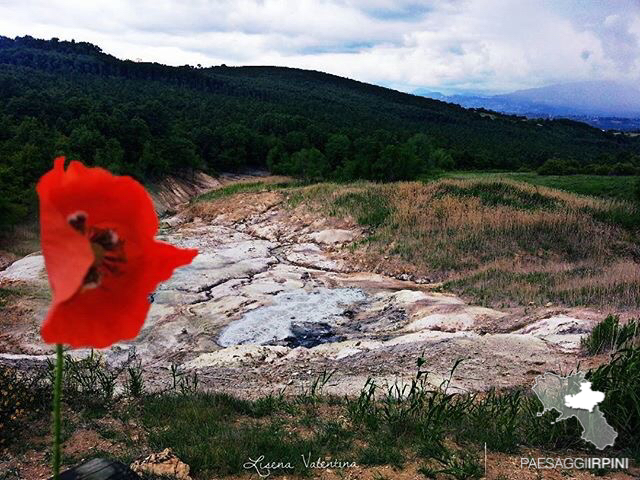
(107, 247)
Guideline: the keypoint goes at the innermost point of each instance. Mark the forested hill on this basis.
(147, 120)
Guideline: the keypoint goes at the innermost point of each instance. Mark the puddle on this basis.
(298, 318)
(310, 334)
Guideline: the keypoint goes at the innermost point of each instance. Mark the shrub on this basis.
(623, 169)
(558, 166)
(21, 394)
(602, 170)
(370, 208)
(87, 382)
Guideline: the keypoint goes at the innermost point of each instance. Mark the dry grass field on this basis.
(498, 242)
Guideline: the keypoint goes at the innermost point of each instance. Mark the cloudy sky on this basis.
(483, 46)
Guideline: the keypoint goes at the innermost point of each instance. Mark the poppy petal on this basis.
(162, 258)
(113, 304)
(107, 199)
(67, 253)
(115, 310)
(97, 318)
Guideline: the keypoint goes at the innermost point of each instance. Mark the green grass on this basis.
(5, 295)
(611, 187)
(370, 209)
(620, 379)
(610, 335)
(497, 287)
(440, 430)
(22, 239)
(463, 467)
(496, 194)
(426, 417)
(216, 434)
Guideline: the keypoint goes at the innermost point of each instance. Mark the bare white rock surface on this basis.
(266, 306)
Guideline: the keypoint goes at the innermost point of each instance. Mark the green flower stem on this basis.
(57, 395)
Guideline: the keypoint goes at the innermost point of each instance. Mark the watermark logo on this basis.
(572, 396)
(568, 463)
(265, 468)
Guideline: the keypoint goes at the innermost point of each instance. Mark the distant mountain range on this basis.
(604, 104)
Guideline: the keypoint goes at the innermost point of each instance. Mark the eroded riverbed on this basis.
(272, 301)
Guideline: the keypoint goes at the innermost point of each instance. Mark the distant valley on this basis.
(603, 104)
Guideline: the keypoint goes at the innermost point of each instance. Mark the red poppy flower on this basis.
(97, 235)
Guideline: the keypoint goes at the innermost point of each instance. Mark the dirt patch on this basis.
(234, 209)
(7, 258)
(84, 442)
(20, 318)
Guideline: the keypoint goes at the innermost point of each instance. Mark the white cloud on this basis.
(478, 45)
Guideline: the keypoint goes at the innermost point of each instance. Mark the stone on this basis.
(238, 355)
(164, 463)
(27, 269)
(561, 330)
(274, 323)
(332, 236)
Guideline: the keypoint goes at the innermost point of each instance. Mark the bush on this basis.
(369, 208)
(597, 169)
(602, 170)
(21, 394)
(88, 382)
(558, 166)
(621, 169)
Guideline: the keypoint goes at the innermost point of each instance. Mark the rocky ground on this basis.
(273, 300)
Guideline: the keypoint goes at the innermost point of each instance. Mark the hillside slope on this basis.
(496, 242)
(149, 120)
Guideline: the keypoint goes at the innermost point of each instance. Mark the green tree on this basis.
(365, 153)
(310, 164)
(420, 146)
(396, 162)
(443, 159)
(110, 156)
(13, 202)
(181, 153)
(295, 141)
(337, 149)
(84, 143)
(278, 160)
(234, 142)
(559, 166)
(622, 169)
(153, 165)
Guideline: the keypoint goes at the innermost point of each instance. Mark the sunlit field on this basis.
(605, 186)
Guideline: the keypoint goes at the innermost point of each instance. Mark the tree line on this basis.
(149, 120)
